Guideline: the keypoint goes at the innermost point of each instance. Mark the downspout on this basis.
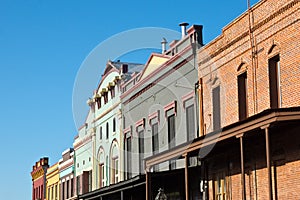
(253, 60)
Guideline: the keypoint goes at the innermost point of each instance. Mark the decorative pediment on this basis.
(154, 62)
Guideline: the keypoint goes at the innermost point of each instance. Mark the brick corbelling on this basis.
(222, 45)
(282, 31)
(243, 47)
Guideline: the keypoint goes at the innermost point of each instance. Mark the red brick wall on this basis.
(276, 22)
(276, 30)
(285, 166)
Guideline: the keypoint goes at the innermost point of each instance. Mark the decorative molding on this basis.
(172, 105)
(127, 130)
(141, 122)
(147, 87)
(154, 115)
(246, 33)
(187, 97)
(81, 127)
(107, 111)
(82, 142)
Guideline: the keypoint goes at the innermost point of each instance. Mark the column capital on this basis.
(265, 126)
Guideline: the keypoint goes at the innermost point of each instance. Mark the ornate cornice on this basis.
(246, 33)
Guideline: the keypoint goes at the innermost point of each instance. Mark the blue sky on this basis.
(42, 46)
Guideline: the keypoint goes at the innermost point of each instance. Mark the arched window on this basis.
(242, 91)
(274, 76)
(102, 177)
(115, 164)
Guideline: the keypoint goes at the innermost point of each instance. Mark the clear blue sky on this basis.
(42, 45)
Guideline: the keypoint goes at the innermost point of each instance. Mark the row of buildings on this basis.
(216, 121)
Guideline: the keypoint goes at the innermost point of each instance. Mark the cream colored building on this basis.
(52, 184)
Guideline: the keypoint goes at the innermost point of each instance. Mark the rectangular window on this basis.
(190, 122)
(274, 69)
(68, 188)
(124, 122)
(107, 130)
(242, 96)
(90, 180)
(114, 125)
(105, 97)
(102, 175)
(63, 191)
(78, 185)
(52, 192)
(171, 131)
(116, 170)
(220, 187)
(171, 137)
(72, 187)
(141, 150)
(98, 100)
(155, 141)
(49, 196)
(56, 193)
(128, 156)
(112, 91)
(216, 108)
(101, 133)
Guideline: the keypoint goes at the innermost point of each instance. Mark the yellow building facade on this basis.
(52, 179)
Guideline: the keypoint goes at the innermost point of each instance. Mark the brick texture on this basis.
(275, 30)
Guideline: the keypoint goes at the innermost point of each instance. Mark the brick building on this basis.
(38, 175)
(248, 145)
(250, 75)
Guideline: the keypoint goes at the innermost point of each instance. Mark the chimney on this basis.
(164, 45)
(124, 68)
(183, 29)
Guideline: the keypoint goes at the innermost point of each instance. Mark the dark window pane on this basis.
(171, 131)
(155, 144)
(216, 108)
(141, 150)
(242, 95)
(190, 122)
(273, 81)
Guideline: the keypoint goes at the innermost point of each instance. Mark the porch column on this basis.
(148, 184)
(186, 177)
(122, 195)
(266, 128)
(242, 166)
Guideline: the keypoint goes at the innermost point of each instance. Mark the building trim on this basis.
(170, 106)
(245, 33)
(154, 73)
(141, 122)
(153, 116)
(82, 142)
(254, 122)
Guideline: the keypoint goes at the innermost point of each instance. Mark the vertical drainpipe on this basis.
(201, 117)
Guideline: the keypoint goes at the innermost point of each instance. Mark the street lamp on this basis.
(161, 195)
